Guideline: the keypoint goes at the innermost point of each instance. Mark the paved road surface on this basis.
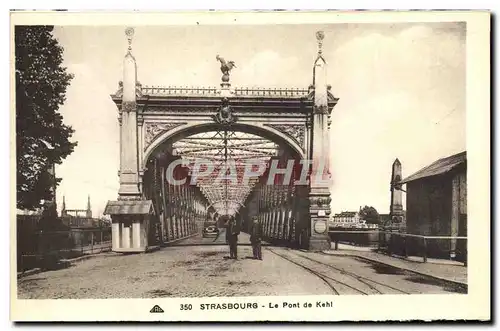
(205, 270)
(243, 238)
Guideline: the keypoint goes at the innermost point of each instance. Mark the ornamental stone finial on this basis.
(129, 32)
(320, 35)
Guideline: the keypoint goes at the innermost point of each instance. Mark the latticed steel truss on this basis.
(228, 152)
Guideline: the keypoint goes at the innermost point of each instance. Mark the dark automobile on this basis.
(210, 230)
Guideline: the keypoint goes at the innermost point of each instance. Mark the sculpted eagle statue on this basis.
(225, 67)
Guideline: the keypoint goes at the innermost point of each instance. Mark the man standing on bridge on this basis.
(232, 233)
(256, 238)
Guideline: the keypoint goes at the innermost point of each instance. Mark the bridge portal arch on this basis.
(297, 119)
(187, 128)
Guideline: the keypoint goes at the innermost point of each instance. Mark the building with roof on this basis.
(348, 219)
(436, 202)
(345, 218)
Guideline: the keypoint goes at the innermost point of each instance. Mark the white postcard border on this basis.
(474, 305)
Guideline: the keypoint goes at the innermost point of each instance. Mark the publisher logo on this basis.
(156, 309)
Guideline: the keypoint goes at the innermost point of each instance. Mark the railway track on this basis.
(362, 279)
(345, 281)
(330, 281)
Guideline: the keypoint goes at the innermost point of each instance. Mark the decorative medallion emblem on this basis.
(295, 131)
(320, 227)
(153, 130)
(225, 115)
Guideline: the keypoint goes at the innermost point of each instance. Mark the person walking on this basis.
(256, 238)
(232, 233)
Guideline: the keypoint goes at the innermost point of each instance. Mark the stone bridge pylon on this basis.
(163, 126)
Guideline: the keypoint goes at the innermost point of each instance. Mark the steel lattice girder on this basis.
(219, 147)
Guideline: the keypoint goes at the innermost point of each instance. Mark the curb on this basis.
(456, 282)
(28, 273)
(86, 257)
(216, 244)
(169, 243)
(63, 261)
(152, 249)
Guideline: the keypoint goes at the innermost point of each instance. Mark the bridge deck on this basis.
(243, 239)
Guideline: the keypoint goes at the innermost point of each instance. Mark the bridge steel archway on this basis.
(153, 118)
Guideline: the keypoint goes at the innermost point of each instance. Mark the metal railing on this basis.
(441, 247)
(214, 91)
(42, 247)
(271, 92)
(355, 237)
(179, 91)
(406, 244)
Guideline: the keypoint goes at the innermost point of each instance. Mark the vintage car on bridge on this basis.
(210, 229)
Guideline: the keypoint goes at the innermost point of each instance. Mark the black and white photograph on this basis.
(246, 161)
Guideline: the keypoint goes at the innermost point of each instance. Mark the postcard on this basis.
(250, 166)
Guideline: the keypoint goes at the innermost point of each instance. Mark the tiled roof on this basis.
(129, 207)
(439, 167)
(346, 213)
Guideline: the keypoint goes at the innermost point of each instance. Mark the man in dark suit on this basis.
(232, 233)
(256, 238)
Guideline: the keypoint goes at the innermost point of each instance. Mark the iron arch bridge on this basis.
(184, 150)
(231, 209)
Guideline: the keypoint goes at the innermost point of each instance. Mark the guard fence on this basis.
(395, 242)
(45, 249)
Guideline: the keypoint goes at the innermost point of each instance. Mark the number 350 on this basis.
(186, 306)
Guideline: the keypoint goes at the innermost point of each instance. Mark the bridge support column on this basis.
(185, 213)
(115, 235)
(283, 207)
(130, 208)
(189, 216)
(283, 227)
(277, 212)
(268, 221)
(173, 211)
(136, 231)
(274, 213)
(319, 195)
(125, 235)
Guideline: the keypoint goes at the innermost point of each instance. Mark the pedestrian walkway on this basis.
(189, 271)
(445, 271)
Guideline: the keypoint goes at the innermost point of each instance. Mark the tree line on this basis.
(42, 138)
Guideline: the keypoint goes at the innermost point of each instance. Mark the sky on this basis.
(401, 90)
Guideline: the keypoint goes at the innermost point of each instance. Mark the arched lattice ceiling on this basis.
(222, 148)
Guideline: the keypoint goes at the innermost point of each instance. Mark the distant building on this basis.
(78, 218)
(436, 200)
(346, 219)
